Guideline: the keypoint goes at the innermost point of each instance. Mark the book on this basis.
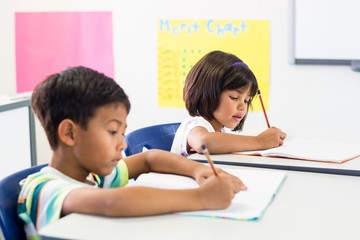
(246, 205)
(321, 150)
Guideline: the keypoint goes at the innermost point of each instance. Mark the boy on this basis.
(84, 116)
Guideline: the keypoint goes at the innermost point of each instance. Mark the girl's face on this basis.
(232, 108)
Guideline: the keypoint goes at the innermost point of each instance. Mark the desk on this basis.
(351, 167)
(308, 206)
(17, 136)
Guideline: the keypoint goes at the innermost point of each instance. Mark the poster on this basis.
(48, 42)
(181, 43)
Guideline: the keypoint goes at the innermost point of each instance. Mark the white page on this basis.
(246, 205)
(314, 150)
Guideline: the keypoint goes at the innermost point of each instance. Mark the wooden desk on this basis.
(351, 167)
(308, 206)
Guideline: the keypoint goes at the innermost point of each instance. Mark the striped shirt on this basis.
(43, 193)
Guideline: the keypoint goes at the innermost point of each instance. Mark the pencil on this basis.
(263, 108)
(206, 152)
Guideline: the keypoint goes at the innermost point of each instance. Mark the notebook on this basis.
(247, 205)
(321, 150)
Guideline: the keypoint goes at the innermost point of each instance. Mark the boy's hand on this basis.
(217, 192)
(204, 173)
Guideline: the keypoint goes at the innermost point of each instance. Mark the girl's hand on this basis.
(270, 138)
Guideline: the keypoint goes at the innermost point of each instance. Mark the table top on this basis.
(307, 206)
(6, 105)
(351, 167)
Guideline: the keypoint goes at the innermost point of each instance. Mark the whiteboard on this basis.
(327, 30)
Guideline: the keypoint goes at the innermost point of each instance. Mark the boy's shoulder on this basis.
(44, 175)
(34, 183)
(56, 177)
(42, 194)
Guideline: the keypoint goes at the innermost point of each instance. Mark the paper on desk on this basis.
(321, 150)
(246, 205)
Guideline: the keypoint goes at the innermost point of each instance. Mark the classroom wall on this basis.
(305, 100)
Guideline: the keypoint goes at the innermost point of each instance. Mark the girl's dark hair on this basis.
(75, 93)
(214, 73)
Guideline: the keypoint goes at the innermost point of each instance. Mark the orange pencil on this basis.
(206, 152)
(263, 108)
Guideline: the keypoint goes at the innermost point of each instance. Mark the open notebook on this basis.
(246, 205)
(321, 150)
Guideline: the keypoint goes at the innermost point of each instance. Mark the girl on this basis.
(218, 92)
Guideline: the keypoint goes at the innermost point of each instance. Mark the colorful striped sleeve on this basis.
(42, 195)
(119, 177)
(40, 201)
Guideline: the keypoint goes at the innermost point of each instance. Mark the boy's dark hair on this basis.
(75, 93)
(214, 73)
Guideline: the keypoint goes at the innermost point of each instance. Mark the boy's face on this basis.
(99, 148)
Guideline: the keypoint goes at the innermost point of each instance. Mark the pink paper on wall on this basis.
(48, 42)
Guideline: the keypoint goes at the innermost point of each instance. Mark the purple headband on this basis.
(239, 64)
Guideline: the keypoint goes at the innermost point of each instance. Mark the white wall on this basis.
(305, 100)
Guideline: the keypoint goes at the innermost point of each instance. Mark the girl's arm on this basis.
(218, 142)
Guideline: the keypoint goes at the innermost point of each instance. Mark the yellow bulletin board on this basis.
(181, 43)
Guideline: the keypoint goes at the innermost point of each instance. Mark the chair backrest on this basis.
(158, 136)
(11, 225)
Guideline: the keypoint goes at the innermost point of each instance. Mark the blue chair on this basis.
(158, 136)
(11, 225)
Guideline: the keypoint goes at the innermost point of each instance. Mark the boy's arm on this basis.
(215, 193)
(164, 162)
